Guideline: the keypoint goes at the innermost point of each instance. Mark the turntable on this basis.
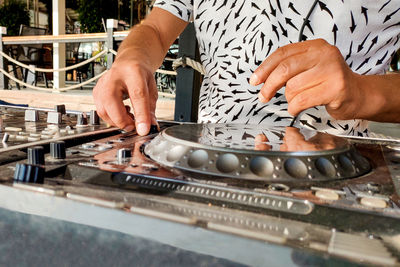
(268, 154)
(332, 197)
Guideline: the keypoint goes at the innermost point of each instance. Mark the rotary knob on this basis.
(57, 150)
(36, 155)
(29, 173)
(60, 109)
(6, 136)
(81, 120)
(94, 118)
(31, 115)
(154, 129)
(123, 154)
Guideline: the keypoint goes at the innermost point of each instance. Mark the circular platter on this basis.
(256, 152)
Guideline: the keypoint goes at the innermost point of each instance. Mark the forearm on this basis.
(143, 45)
(381, 99)
(149, 41)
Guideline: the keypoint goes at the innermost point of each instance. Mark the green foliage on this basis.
(13, 13)
(92, 11)
(49, 7)
(89, 16)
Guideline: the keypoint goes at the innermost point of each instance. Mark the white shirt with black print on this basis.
(236, 36)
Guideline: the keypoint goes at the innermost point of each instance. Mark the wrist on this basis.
(127, 62)
(379, 97)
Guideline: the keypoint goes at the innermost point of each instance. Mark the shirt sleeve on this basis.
(183, 9)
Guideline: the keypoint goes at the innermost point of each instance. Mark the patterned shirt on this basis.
(236, 36)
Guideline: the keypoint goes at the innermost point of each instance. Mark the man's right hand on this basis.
(125, 79)
(131, 75)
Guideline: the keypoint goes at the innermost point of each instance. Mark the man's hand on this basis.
(127, 78)
(131, 75)
(314, 73)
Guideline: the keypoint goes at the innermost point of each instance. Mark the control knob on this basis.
(29, 173)
(81, 120)
(123, 154)
(57, 150)
(31, 115)
(60, 109)
(94, 118)
(36, 155)
(6, 136)
(154, 129)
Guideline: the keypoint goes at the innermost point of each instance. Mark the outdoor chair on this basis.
(31, 54)
(74, 48)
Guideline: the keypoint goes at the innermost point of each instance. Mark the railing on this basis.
(108, 38)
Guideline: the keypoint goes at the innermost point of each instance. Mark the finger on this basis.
(139, 96)
(103, 114)
(282, 53)
(315, 96)
(153, 101)
(303, 81)
(117, 113)
(284, 71)
(128, 110)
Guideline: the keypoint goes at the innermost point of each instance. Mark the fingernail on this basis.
(254, 79)
(262, 98)
(129, 128)
(142, 128)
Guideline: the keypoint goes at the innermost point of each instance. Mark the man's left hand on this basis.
(315, 74)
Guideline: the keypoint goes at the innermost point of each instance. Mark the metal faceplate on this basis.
(257, 152)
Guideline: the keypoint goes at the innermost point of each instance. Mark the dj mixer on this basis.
(332, 197)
